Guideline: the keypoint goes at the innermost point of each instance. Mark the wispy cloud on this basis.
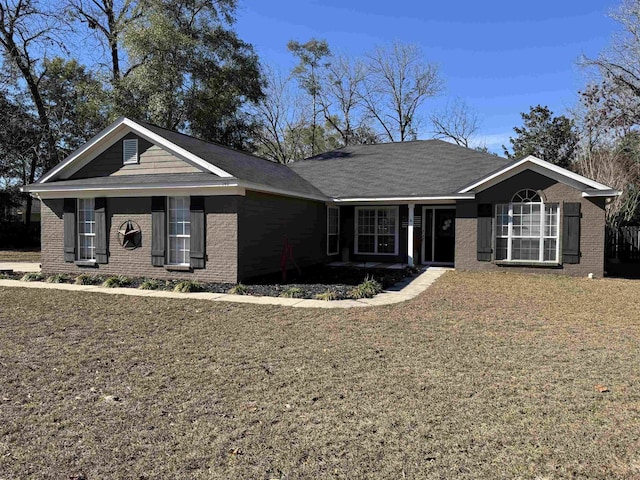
(493, 141)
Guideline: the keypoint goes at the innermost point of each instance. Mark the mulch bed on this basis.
(308, 283)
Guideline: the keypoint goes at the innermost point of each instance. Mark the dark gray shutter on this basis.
(102, 236)
(158, 230)
(198, 233)
(69, 220)
(485, 232)
(571, 233)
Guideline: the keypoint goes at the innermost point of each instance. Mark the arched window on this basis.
(527, 229)
(526, 196)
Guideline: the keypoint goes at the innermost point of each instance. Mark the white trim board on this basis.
(51, 190)
(441, 199)
(113, 133)
(539, 166)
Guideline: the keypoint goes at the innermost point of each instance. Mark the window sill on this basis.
(526, 263)
(178, 268)
(86, 263)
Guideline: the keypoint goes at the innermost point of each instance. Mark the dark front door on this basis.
(438, 234)
(444, 235)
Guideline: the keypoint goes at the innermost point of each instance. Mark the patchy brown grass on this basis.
(19, 255)
(482, 376)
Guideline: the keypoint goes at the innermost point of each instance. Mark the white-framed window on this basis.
(130, 151)
(376, 230)
(527, 229)
(86, 229)
(179, 223)
(333, 230)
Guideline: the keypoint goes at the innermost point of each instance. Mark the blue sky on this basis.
(501, 57)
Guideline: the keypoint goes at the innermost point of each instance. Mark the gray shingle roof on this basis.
(403, 169)
(241, 165)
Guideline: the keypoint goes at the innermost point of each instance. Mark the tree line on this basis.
(71, 67)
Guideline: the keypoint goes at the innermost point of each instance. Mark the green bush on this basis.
(328, 296)
(367, 289)
(84, 279)
(32, 277)
(151, 284)
(292, 292)
(58, 278)
(117, 281)
(239, 289)
(187, 286)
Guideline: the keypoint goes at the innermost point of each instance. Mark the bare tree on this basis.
(108, 19)
(26, 29)
(280, 116)
(397, 83)
(457, 122)
(341, 98)
(613, 98)
(614, 168)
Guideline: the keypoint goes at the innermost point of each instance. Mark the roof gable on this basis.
(586, 185)
(227, 165)
(115, 132)
(152, 160)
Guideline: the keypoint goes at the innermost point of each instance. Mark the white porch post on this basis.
(410, 235)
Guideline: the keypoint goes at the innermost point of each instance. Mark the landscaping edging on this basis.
(404, 290)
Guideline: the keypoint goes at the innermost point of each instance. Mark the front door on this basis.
(438, 228)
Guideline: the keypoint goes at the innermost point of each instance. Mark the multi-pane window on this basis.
(527, 229)
(179, 219)
(377, 230)
(333, 230)
(86, 229)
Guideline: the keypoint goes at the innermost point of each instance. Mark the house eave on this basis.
(436, 199)
(601, 193)
(225, 187)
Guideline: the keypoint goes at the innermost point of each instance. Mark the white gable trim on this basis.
(540, 166)
(112, 134)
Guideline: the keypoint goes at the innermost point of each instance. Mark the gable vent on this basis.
(130, 151)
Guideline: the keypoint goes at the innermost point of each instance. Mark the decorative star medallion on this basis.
(129, 235)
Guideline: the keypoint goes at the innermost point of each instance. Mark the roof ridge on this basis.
(210, 142)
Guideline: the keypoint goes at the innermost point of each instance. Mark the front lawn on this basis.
(482, 376)
(19, 255)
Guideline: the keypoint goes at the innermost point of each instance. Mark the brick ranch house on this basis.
(140, 200)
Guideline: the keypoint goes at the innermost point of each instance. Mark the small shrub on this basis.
(292, 292)
(32, 277)
(58, 278)
(117, 281)
(84, 279)
(187, 286)
(328, 296)
(367, 289)
(151, 284)
(239, 289)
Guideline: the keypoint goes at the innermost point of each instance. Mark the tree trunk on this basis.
(32, 178)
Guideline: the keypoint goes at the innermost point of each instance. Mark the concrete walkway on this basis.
(20, 266)
(404, 290)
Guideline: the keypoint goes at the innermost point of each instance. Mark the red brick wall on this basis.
(592, 226)
(222, 241)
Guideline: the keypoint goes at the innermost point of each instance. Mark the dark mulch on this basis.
(309, 282)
